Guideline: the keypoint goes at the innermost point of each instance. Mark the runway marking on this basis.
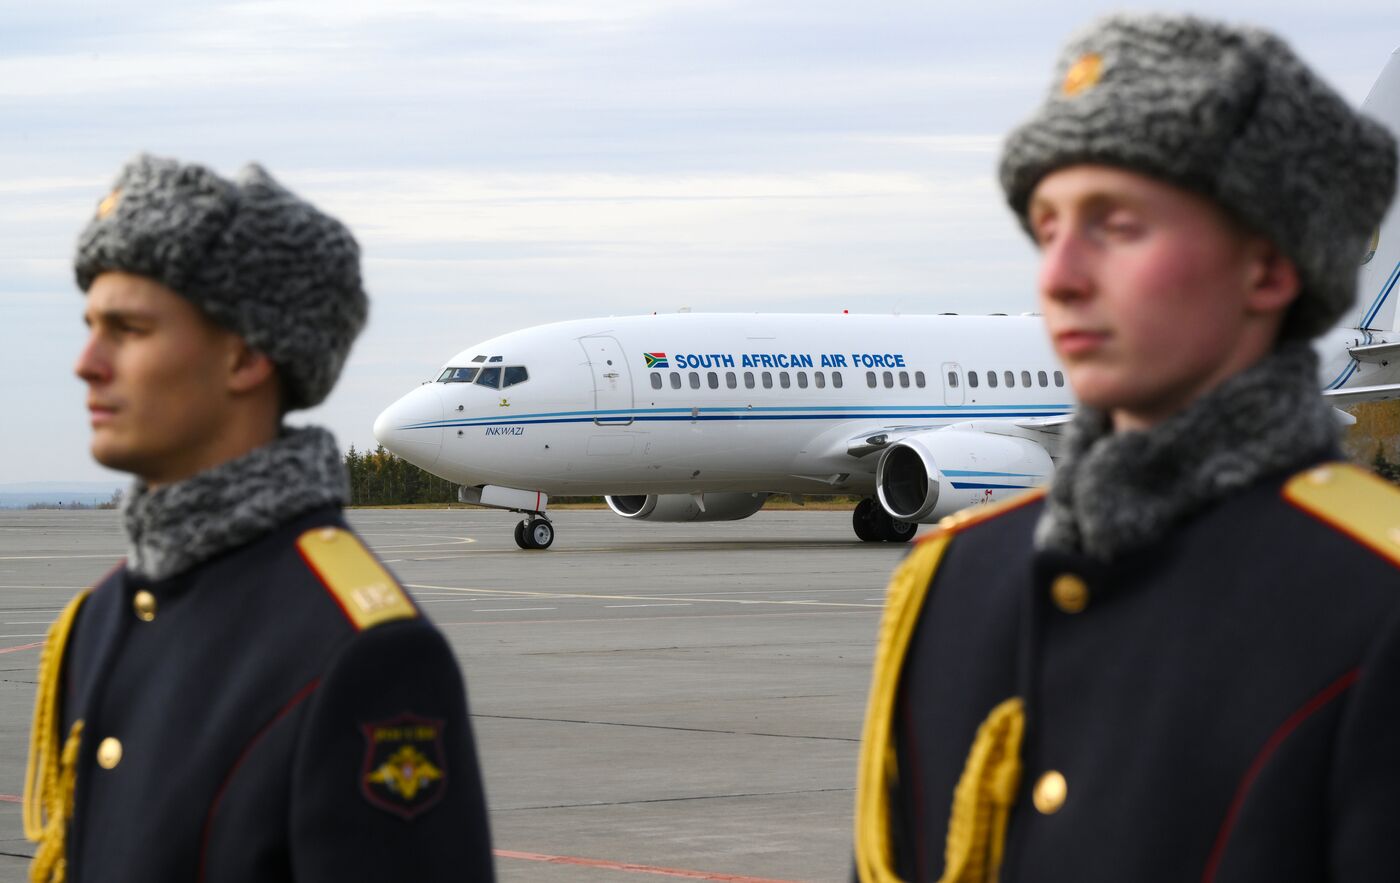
(497, 623)
(11, 798)
(544, 595)
(21, 647)
(620, 606)
(40, 635)
(679, 799)
(506, 609)
(26, 622)
(631, 867)
(57, 557)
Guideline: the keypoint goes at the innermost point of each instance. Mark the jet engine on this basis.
(928, 476)
(687, 507)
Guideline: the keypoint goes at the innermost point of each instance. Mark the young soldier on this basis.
(251, 695)
(1183, 662)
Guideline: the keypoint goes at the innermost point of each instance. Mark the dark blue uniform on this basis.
(1223, 705)
(280, 712)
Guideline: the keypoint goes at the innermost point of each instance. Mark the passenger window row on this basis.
(1009, 378)
(888, 378)
(751, 379)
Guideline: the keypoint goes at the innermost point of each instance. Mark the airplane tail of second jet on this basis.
(1378, 284)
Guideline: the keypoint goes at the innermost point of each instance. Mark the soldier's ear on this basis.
(249, 369)
(1272, 282)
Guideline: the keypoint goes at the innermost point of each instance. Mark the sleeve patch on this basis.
(1352, 500)
(405, 770)
(354, 577)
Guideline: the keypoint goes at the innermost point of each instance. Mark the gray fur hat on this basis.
(249, 253)
(1232, 114)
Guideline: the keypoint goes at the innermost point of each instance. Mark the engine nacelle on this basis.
(932, 475)
(685, 507)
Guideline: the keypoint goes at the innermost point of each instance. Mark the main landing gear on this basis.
(874, 525)
(536, 532)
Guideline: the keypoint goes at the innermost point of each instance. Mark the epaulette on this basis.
(1353, 500)
(965, 518)
(356, 580)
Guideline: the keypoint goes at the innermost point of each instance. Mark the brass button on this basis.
(1069, 593)
(109, 753)
(1050, 792)
(144, 603)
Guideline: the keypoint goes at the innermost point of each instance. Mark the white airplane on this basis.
(701, 417)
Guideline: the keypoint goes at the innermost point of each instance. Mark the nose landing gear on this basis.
(874, 525)
(536, 532)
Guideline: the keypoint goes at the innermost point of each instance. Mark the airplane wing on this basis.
(1355, 395)
(1043, 430)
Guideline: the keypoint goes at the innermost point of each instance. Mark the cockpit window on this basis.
(478, 358)
(514, 374)
(458, 375)
(490, 377)
(494, 359)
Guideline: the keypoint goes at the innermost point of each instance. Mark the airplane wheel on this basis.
(890, 529)
(520, 538)
(539, 533)
(862, 519)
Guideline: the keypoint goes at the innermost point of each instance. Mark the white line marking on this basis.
(617, 606)
(2, 637)
(504, 609)
(29, 622)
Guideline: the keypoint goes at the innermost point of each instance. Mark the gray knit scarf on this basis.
(1114, 492)
(178, 526)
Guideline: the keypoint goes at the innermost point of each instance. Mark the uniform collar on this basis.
(1116, 492)
(175, 527)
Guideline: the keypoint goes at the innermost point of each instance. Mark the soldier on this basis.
(1183, 661)
(250, 695)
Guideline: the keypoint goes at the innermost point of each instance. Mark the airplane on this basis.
(701, 417)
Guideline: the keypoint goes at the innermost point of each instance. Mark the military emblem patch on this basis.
(405, 769)
(1083, 74)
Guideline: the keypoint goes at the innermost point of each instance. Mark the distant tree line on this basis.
(378, 478)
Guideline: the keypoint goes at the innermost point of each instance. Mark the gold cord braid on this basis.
(51, 774)
(987, 788)
(878, 766)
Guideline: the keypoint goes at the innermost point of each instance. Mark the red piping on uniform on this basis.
(247, 749)
(329, 591)
(1312, 706)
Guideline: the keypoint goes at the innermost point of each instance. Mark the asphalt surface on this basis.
(650, 701)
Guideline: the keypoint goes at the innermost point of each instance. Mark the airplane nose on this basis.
(412, 427)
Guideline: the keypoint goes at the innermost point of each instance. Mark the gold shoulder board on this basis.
(965, 518)
(1356, 502)
(354, 577)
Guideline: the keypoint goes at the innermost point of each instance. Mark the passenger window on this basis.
(1010, 378)
(655, 380)
(748, 380)
(730, 380)
(517, 374)
(784, 380)
(972, 379)
(490, 377)
(870, 379)
(694, 380)
(1059, 379)
(952, 379)
(802, 379)
(675, 380)
(1044, 381)
(889, 379)
(992, 379)
(458, 375)
(904, 379)
(836, 379)
(820, 378)
(713, 378)
(767, 379)
(919, 379)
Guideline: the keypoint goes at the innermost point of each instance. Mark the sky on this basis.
(505, 164)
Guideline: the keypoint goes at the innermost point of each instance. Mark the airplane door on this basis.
(612, 382)
(952, 383)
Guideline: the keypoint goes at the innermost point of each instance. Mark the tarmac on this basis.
(651, 701)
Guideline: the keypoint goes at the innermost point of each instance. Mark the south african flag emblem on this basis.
(656, 360)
